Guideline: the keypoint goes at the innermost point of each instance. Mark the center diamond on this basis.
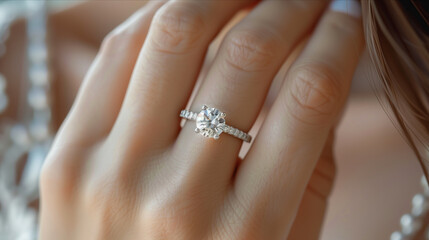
(210, 122)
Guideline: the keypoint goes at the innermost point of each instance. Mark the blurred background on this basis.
(47, 46)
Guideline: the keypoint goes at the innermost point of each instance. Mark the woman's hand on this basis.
(122, 167)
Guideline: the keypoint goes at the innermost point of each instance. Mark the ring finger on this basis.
(238, 81)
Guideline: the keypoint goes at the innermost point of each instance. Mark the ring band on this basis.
(210, 122)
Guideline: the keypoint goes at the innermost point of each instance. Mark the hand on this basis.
(121, 166)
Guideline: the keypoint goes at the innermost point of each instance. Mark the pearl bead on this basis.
(406, 220)
(38, 53)
(39, 130)
(418, 200)
(19, 135)
(396, 236)
(44, 115)
(37, 98)
(39, 75)
(419, 205)
(409, 224)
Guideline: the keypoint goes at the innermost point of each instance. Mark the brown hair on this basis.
(397, 36)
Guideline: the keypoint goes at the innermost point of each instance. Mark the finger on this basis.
(99, 99)
(249, 58)
(88, 18)
(309, 219)
(279, 164)
(167, 68)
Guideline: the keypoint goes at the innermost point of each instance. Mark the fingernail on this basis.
(350, 7)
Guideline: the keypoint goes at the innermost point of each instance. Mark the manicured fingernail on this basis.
(350, 7)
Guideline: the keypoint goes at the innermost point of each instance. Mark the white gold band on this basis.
(224, 127)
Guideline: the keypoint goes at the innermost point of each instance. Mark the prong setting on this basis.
(210, 123)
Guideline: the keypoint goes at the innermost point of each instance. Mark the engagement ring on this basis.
(210, 122)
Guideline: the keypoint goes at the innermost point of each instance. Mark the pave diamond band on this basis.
(210, 122)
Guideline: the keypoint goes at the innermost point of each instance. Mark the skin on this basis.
(122, 167)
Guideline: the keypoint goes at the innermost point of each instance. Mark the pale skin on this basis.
(122, 167)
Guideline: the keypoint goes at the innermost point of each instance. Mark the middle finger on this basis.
(167, 68)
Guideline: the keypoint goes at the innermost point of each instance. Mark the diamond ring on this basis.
(210, 122)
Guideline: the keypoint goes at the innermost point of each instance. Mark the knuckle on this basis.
(169, 219)
(251, 50)
(315, 93)
(109, 198)
(177, 27)
(59, 175)
(110, 41)
(120, 40)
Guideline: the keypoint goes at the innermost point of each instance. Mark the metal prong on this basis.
(204, 107)
(197, 130)
(223, 114)
(216, 136)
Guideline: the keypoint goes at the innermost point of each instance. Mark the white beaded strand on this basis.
(9, 11)
(412, 223)
(38, 75)
(31, 138)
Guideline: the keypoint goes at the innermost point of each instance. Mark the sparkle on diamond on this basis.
(210, 122)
